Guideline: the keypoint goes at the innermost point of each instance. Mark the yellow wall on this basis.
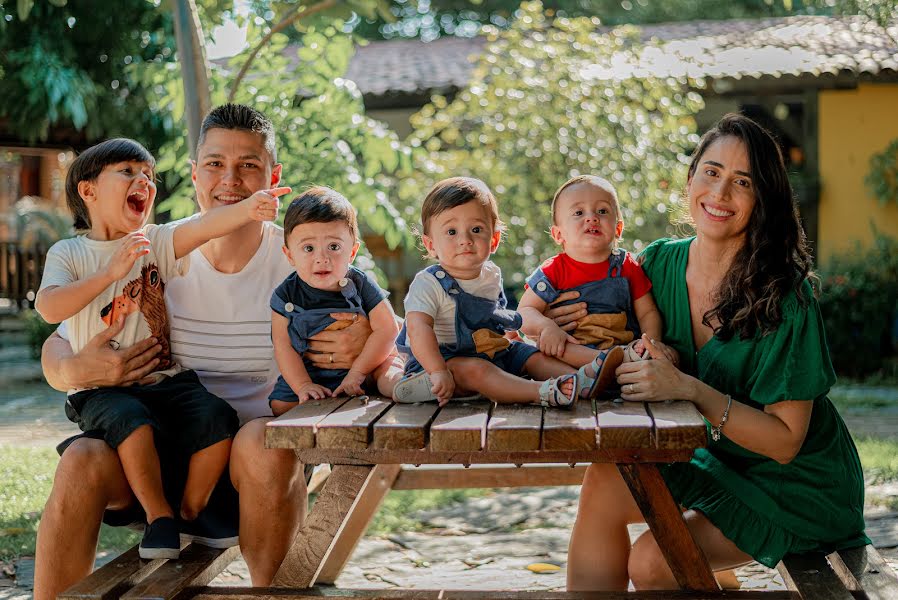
(853, 125)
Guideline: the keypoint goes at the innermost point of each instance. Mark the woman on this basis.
(780, 473)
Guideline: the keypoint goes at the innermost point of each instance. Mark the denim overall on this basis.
(306, 322)
(603, 297)
(476, 318)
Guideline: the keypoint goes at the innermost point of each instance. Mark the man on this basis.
(220, 320)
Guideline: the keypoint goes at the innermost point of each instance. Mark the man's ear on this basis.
(87, 191)
(355, 250)
(555, 232)
(428, 245)
(494, 241)
(276, 174)
(193, 171)
(288, 254)
(619, 229)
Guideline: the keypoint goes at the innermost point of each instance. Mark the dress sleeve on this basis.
(794, 362)
(372, 294)
(646, 258)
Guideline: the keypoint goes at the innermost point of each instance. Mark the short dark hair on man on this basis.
(89, 165)
(242, 118)
(320, 204)
(456, 191)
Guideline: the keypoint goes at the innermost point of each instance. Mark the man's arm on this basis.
(97, 364)
(261, 206)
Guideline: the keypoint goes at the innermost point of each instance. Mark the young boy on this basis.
(321, 238)
(116, 271)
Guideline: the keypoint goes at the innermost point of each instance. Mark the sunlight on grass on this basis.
(879, 457)
(396, 513)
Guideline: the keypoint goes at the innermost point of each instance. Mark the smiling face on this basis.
(232, 164)
(720, 191)
(321, 252)
(462, 239)
(587, 223)
(120, 199)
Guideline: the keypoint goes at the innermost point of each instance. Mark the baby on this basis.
(587, 223)
(321, 238)
(456, 317)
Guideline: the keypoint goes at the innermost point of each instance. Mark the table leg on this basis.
(318, 534)
(663, 516)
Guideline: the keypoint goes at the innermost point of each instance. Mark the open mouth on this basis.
(137, 202)
(593, 231)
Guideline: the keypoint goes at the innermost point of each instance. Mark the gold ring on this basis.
(332, 357)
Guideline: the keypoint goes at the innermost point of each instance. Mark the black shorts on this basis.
(183, 413)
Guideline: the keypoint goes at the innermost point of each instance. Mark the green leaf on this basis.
(24, 8)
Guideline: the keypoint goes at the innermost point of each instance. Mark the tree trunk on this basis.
(194, 69)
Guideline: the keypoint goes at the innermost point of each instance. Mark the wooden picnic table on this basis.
(368, 439)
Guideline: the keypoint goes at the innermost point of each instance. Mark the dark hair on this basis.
(320, 204)
(457, 191)
(243, 118)
(89, 165)
(595, 181)
(775, 258)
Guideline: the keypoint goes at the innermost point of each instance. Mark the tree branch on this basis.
(291, 17)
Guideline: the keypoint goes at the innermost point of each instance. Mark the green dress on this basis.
(767, 509)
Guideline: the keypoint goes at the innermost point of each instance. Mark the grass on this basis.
(879, 457)
(396, 512)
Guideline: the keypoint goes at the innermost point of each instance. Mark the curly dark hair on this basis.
(775, 258)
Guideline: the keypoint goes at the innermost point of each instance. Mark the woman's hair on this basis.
(596, 182)
(320, 205)
(457, 191)
(89, 165)
(775, 257)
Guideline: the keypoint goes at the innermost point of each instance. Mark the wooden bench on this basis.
(857, 573)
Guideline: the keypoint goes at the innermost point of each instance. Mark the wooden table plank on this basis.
(869, 571)
(623, 425)
(113, 579)
(573, 429)
(663, 516)
(812, 576)
(198, 565)
(678, 425)
(460, 427)
(373, 456)
(296, 427)
(317, 536)
(514, 427)
(350, 426)
(404, 426)
(445, 477)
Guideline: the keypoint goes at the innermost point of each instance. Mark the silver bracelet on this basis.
(715, 431)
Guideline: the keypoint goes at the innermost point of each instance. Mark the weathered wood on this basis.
(404, 427)
(868, 570)
(811, 575)
(197, 566)
(428, 477)
(685, 558)
(227, 593)
(369, 500)
(349, 456)
(623, 425)
(113, 579)
(573, 429)
(296, 427)
(350, 426)
(460, 427)
(327, 517)
(514, 427)
(678, 425)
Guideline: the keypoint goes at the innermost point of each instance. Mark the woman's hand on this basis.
(340, 344)
(653, 380)
(566, 316)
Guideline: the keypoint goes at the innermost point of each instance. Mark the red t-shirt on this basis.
(564, 273)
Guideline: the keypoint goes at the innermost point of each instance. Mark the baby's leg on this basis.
(388, 373)
(206, 467)
(141, 465)
(479, 375)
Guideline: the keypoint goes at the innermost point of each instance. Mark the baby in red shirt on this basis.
(587, 223)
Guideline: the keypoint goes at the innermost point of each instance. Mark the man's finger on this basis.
(344, 316)
(138, 375)
(565, 296)
(110, 332)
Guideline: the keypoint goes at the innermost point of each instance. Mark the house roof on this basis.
(734, 49)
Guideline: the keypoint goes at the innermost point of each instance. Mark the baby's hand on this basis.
(134, 245)
(443, 384)
(552, 340)
(264, 204)
(312, 391)
(351, 384)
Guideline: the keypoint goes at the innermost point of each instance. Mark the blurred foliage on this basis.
(882, 179)
(859, 302)
(323, 135)
(38, 223)
(430, 19)
(550, 99)
(37, 331)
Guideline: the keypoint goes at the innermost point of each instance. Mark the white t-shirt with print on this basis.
(139, 296)
(426, 295)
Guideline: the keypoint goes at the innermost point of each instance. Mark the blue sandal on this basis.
(550, 393)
